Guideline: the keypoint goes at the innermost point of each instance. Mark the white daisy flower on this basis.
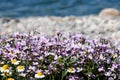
(71, 70)
(4, 68)
(39, 74)
(20, 68)
(15, 62)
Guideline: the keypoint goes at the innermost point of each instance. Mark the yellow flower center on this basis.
(14, 60)
(5, 67)
(11, 52)
(70, 69)
(20, 67)
(115, 55)
(7, 74)
(85, 52)
(10, 79)
(39, 73)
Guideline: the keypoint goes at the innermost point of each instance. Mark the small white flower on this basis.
(35, 63)
(15, 62)
(115, 55)
(47, 72)
(17, 51)
(79, 69)
(39, 74)
(32, 67)
(71, 70)
(4, 68)
(7, 45)
(2, 62)
(20, 68)
(100, 69)
(102, 57)
(35, 53)
(22, 74)
(40, 58)
(50, 53)
(90, 56)
(56, 57)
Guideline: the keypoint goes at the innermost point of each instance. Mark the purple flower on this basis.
(56, 54)
(110, 78)
(108, 73)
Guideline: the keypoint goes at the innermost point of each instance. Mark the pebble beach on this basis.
(92, 26)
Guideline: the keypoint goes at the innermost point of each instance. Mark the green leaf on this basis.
(73, 60)
(64, 73)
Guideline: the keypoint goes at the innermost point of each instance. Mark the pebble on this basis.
(109, 12)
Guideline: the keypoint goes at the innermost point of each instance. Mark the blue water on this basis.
(26, 8)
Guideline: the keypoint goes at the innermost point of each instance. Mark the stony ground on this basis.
(92, 26)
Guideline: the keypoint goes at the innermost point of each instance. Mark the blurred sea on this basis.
(26, 8)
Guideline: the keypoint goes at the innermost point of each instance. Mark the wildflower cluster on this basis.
(58, 57)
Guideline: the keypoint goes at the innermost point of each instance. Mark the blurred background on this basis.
(26, 8)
